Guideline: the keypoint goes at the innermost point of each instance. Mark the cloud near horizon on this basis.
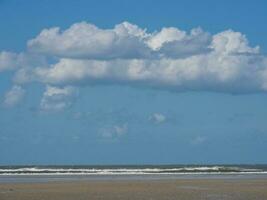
(169, 59)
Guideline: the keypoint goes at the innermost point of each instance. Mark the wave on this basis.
(128, 170)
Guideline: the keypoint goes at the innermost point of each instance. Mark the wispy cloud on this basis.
(56, 98)
(8, 60)
(157, 118)
(114, 131)
(13, 96)
(198, 140)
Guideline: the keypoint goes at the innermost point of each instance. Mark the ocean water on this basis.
(132, 169)
(36, 174)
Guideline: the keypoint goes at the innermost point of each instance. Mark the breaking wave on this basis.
(131, 170)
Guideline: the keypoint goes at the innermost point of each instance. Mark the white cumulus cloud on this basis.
(212, 72)
(83, 40)
(230, 42)
(169, 59)
(164, 36)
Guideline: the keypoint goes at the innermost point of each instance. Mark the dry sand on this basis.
(138, 190)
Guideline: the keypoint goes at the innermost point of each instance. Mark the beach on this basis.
(137, 189)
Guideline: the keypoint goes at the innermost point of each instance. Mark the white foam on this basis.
(130, 171)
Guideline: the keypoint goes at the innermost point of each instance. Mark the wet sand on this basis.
(179, 189)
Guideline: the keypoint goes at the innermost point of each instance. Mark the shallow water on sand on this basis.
(144, 177)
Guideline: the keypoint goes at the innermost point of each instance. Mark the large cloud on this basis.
(124, 41)
(83, 40)
(168, 59)
(213, 72)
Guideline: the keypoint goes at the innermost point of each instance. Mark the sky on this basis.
(133, 82)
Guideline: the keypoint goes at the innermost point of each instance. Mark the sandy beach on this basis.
(198, 189)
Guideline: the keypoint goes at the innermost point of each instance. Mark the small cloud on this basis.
(14, 96)
(114, 131)
(76, 137)
(157, 118)
(78, 115)
(121, 130)
(56, 98)
(198, 140)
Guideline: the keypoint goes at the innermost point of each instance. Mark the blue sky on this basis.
(133, 82)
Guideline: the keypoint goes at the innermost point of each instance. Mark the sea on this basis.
(38, 173)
